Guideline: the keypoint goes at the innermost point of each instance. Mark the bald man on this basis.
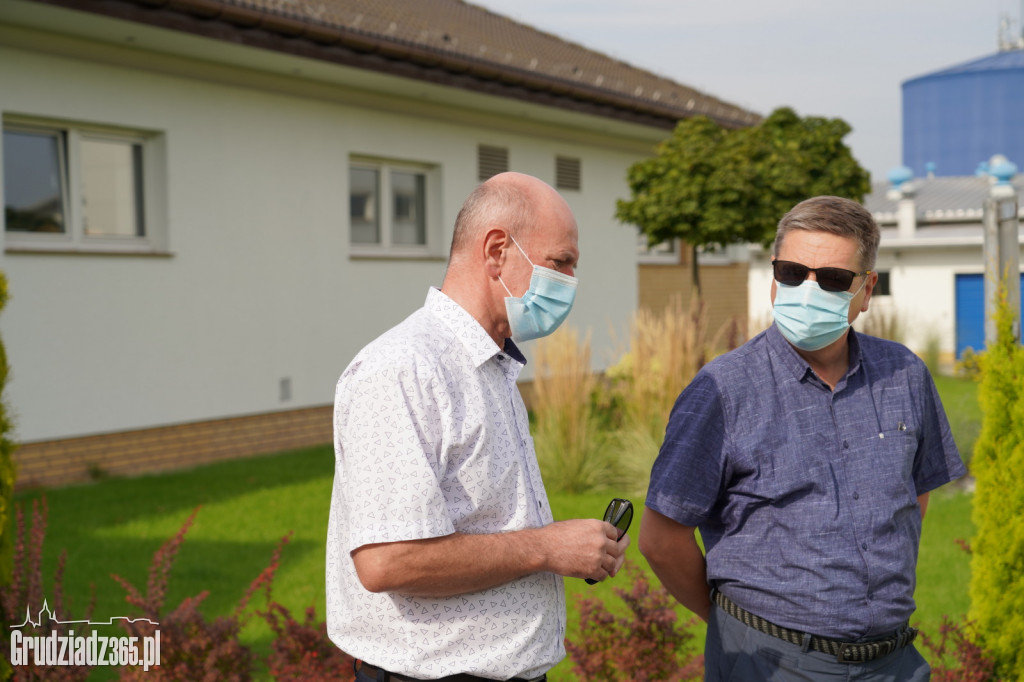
(443, 559)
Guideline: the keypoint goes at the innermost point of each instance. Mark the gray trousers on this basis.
(735, 652)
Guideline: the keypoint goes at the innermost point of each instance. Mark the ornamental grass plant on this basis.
(593, 432)
(665, 351)
(572, 446)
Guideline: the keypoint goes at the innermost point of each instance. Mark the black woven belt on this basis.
(845, 652)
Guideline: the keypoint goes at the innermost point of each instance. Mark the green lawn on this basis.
(115, 525)
(960, 400)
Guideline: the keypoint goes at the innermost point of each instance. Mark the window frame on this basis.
(662, 253)
(148, 189)
(387, 247)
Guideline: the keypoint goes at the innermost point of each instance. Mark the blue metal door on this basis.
(970, 312)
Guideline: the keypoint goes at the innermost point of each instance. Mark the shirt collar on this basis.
(477, 342)
(795, 364)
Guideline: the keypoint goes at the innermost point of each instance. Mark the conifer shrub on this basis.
(7, 469)
(997, 561)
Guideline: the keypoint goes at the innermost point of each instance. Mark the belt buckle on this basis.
(846, 653)
(909, 635)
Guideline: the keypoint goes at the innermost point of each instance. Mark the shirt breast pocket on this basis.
(892, 460)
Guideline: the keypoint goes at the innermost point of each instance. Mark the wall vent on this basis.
(491, 161)
(567, 173)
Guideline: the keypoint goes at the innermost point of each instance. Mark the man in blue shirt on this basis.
(805, 458)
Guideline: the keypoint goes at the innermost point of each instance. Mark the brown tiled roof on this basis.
(450, 42)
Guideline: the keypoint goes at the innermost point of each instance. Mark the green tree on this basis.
(712, 187)
(997, 557)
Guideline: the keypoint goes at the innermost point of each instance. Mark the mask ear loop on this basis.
(506, 288)
(524, 256)
(520, 249)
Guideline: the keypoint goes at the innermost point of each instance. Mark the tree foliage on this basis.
(997, 592)
(712, 187)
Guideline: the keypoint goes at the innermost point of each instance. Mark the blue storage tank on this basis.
(958, 118)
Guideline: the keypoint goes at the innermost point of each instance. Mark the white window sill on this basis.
(395, 255)
(69, 250)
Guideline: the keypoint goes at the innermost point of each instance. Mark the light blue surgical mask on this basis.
(811, 318)
(543, 307)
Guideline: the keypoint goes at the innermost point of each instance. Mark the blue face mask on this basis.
(809, 317)
(543, 307)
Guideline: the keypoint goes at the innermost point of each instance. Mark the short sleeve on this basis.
(387, 436)
(938, 459)
(687, 475)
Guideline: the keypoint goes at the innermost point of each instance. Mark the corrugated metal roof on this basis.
(937, 200)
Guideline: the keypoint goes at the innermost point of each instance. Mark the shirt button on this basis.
(864, 546)
(846, 445)
(856, 496)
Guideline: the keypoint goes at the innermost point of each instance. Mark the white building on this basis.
(211, 205)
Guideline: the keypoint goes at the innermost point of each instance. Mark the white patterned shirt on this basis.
(431, 437)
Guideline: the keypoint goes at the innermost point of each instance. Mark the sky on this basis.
(821, 57)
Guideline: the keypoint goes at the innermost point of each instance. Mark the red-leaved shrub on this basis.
(959, 658)
(648, 643)
(191, 647)
(22, 601)
(302, 651)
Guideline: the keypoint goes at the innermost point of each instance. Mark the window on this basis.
(567, 173)
(490, 161)
(76, 187)
(666, 252)
(882, 285)
(390, 208)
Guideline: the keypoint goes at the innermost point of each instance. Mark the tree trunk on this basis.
(695, 269)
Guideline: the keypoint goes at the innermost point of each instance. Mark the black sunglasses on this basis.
(830, 279)
(620, 514)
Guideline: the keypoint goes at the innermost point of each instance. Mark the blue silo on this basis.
(959, 117)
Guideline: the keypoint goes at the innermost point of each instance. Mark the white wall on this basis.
(923, 285)
(260, 285)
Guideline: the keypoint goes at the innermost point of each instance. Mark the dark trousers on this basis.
(735, 652)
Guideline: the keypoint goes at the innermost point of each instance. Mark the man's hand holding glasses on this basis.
(620, 514)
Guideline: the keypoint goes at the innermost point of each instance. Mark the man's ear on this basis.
(494, 246)
(869, 288)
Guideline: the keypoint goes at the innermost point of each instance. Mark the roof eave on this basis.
(349, 47)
